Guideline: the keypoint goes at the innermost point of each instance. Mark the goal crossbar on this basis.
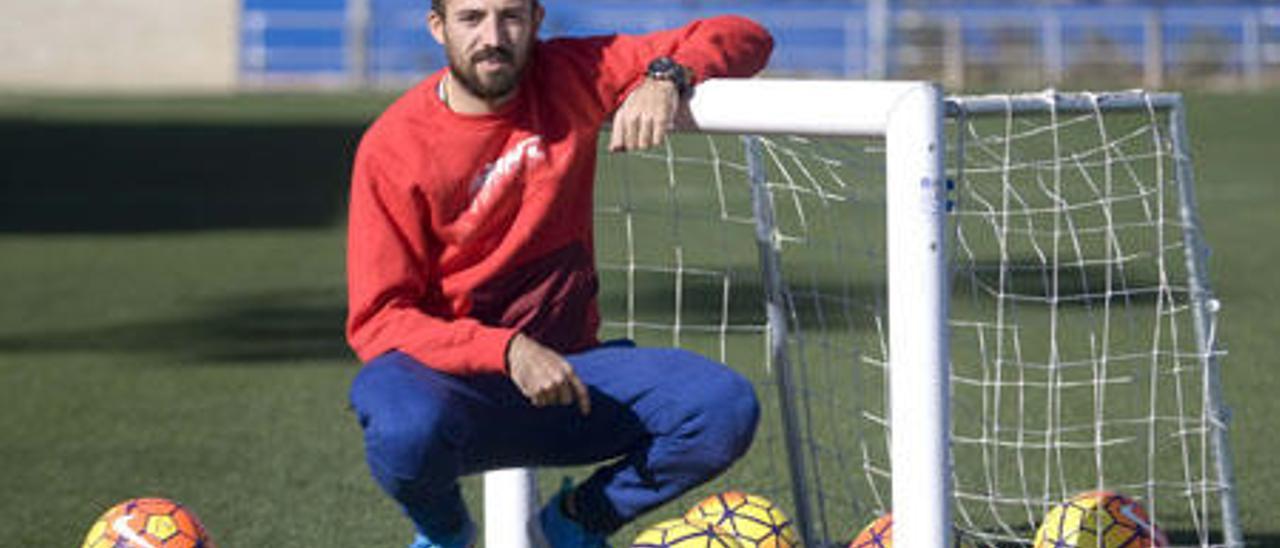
(804, 107)
(1052, 100)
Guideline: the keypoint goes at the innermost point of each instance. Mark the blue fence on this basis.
(972, 43)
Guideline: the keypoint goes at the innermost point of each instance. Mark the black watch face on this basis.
(661, 65)
(665, 68)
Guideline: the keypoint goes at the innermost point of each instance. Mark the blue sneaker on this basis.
(559, 530)
(462, 539)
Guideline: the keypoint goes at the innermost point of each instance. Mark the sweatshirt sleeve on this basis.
(394, 300)
(724, 46)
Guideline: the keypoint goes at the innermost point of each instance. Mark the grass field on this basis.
(172, 319)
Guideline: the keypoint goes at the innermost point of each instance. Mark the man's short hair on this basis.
(438, 6)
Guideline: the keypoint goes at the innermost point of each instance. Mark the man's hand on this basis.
(544, 376)
(646, 116)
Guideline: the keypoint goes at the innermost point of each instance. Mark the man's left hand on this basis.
(646, 116)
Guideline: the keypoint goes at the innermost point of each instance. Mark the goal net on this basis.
(1081, 347)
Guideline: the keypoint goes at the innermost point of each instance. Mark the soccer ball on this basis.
(1100, 519)
(877, 534)
(752, 519)
(679, 533)
(148, 523)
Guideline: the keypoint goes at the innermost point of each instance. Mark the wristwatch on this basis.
(667, 69)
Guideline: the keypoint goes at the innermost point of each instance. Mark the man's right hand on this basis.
(544, 376)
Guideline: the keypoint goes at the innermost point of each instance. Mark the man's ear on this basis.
(435, 23)
(538, 14)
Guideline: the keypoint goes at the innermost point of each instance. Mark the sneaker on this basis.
(462, 539)
(559, 530)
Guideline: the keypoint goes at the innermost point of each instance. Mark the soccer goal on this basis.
(967, 309)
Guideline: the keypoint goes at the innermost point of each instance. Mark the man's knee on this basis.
(409, 460)
(408, 443)
(738, 411)
(725, 404)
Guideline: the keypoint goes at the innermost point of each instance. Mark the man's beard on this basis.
(500, 83)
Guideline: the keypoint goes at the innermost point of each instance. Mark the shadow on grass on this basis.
(815, 305)
(1074, 285)
(111, 176)
(298, 326)
(308, 325)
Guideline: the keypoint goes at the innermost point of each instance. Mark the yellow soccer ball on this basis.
(678, 533)
(1098, 519)
(753, 520)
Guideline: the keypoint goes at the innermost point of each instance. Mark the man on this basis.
(472, 284)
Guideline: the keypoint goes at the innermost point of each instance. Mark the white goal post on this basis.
(909, 116)
(1025, 313)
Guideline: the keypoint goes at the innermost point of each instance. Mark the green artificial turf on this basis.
(171, 321)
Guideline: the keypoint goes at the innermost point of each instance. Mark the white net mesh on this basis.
(1075, 363)
(1075, 353)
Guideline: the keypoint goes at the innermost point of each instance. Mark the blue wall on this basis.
(812, 35)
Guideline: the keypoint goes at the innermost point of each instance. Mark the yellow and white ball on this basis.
(756, 522)
(679, 533)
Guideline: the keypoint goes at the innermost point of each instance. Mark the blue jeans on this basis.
(666, 420)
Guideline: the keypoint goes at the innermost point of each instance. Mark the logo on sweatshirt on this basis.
(501, 172)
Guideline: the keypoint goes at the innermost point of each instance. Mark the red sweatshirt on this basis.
(465, 229)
